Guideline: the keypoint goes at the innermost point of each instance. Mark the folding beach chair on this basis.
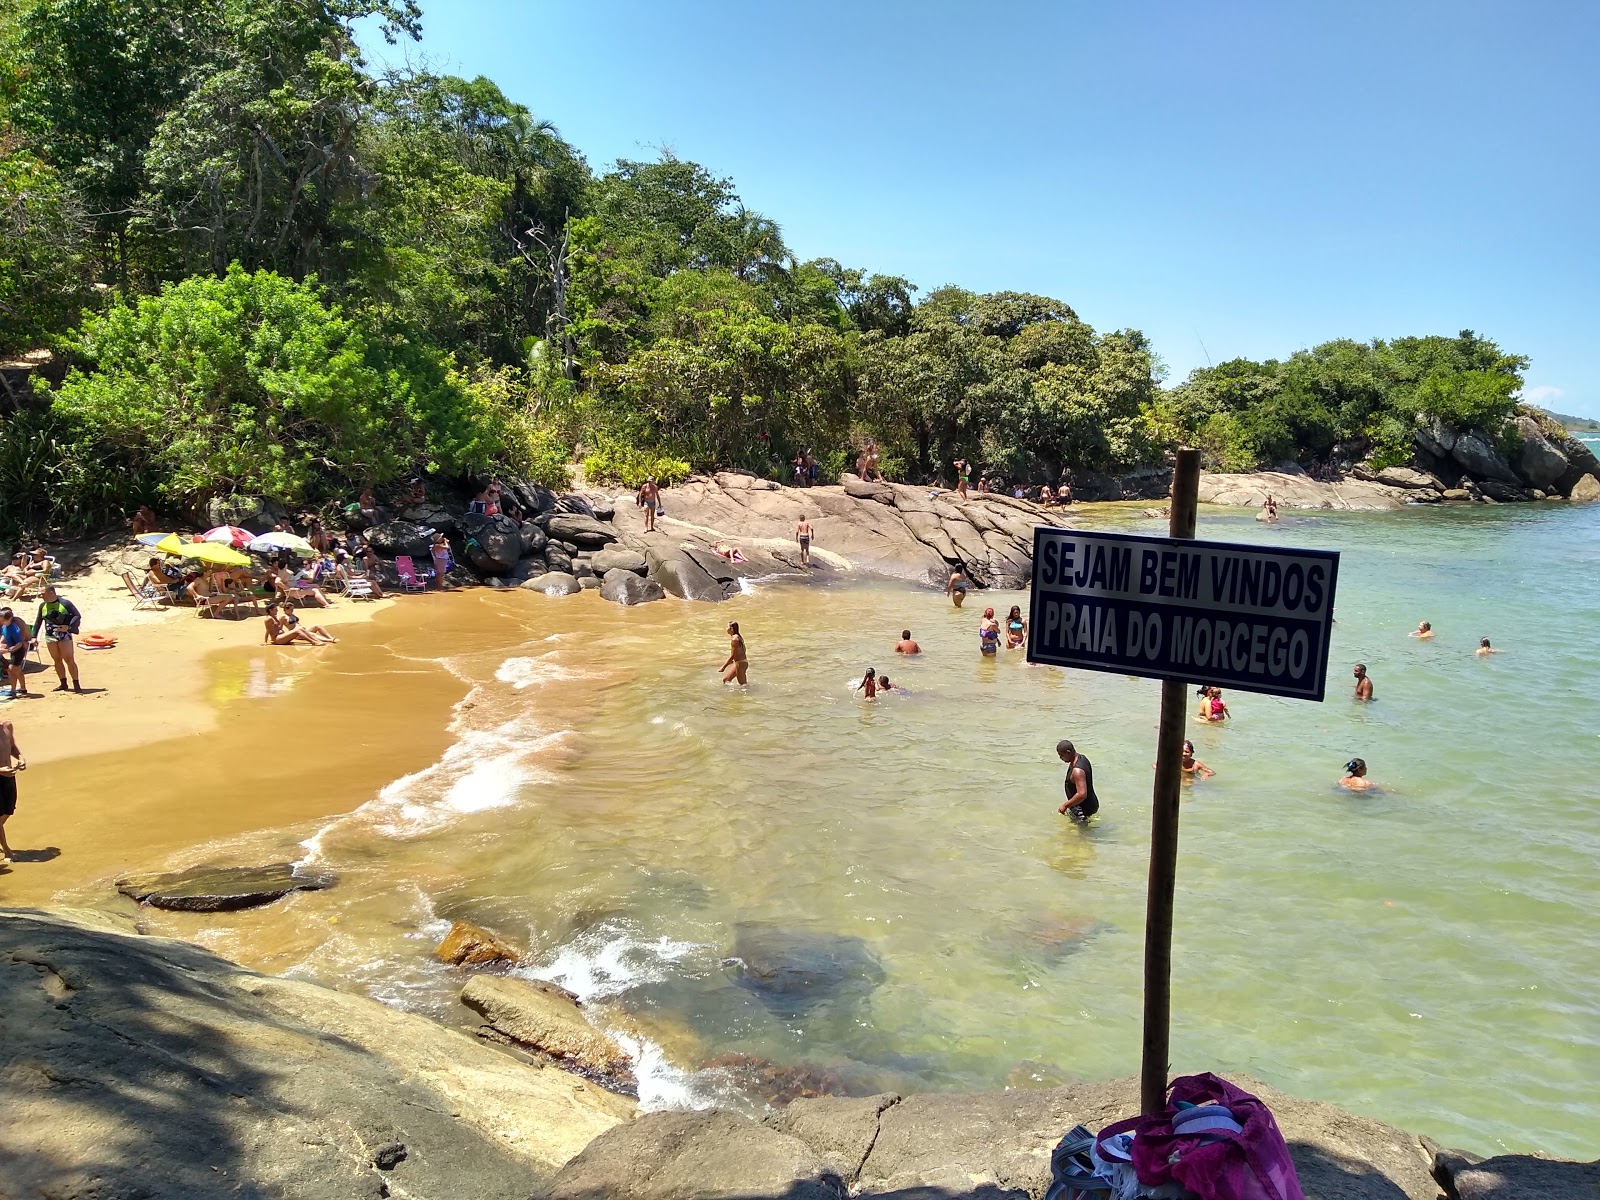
(145, 595)
(410, 579)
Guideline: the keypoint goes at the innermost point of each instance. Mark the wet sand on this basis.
(192, 730)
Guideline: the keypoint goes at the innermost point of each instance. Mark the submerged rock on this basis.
(553, 583)
(222, 889)
(469, 945)
(792, 971)
(624, 587)
(546, 1018)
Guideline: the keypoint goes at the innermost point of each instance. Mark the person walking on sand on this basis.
(1484, 648)
(963, 473)
(650, 499)
(905, 645)
(1424, 630)
(869, 683)
(956, 587)
(733, 670)
(1363, 682)
(802, 534)
(1355, 776)
(61, 620)
(11, 761)
(1082, 803)
(14, 643)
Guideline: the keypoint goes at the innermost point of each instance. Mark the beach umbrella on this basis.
(229, 535)
(271, 543)
(152, 539)
(206, 552)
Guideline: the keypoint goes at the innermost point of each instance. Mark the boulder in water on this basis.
(682, 576)
(791, 970)
(1538, 461)
(618, 558)
(590, 582)
(546, 1018)
(469, 945)
(553, 583)
(1586, 490)
(624, 587)
(222, 889)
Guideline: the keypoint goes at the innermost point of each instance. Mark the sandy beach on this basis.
(191, 729)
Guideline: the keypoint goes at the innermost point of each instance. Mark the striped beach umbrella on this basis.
(229, 535)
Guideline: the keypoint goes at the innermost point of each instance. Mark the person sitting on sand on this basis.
(1211, 706)
(905, 645)
(956, 587)
(1485, 649)
(738, 661)
(869, 683)
(1016, 629)
(1363, 682)
(988, 633)
(291, 589)
(168, 582)
(1424, 630)
(283, 628)
(1355, 776)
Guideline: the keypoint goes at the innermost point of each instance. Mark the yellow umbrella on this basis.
(207, 552)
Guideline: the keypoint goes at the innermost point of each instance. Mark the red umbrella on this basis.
(228, 535)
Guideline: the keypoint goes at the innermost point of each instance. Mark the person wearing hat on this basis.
(60, 620)
(14, 643)
(650, 499)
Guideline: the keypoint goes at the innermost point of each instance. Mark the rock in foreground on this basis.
(469, 945)
(143, 1067)
(222, 889)
(545, 1018)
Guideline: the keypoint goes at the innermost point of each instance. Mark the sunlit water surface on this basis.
(1426, 954)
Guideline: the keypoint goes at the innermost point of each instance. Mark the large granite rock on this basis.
(552, 583)
(469, 945)
(1094, 485)
(1581, 461)
(401, 537)
(624, 587)
(1586, 490)
(559, 558)
(618, 558)
(1537, 461)
(144, 1067)
(1515, 1177)
(989, 1145)
(1298, 491)
(546, 1018)
(534, 539)
(579, 528)
(1436, 438)
(1409, 477)
(1481, 458)
(255, 513)
(861, 489)
(493, 544)
(681, 575)
(222, 889)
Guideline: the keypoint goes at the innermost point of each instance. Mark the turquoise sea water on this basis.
(1426, 954)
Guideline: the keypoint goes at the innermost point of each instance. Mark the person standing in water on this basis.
(956, 587)
(802, 534)
(1081, 803)
(988, 633)
(1211, 706)
(905, 645)
(1016, 629)
(1485, 649)
(1424, 630)
(734, 669)
(1355, 776)
(1363, 682)
(1191, 766)
(869, 683)
(650, 499)
(11, 761)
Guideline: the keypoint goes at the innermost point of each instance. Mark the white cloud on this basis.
(1541, 395)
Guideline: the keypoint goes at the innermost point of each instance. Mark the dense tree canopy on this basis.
(272, 269)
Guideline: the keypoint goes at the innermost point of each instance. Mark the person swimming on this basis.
(1191, 766)
(869, 683)
(1016, 629)
(1424, 630)
(1484, 648)
(1212, 707)
(885, 686)
(905, 645)
(1355, 776)
(956, 587)
(1363, 681)
(988, 633)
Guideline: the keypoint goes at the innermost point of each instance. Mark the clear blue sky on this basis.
(1255, 177)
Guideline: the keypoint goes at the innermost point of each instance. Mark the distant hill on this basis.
(1576, 424)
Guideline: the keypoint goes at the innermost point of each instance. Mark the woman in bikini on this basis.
(1016, 629)
(283, 628)
(956, 587)
(738, 662)
(963, 473)
(988, 633)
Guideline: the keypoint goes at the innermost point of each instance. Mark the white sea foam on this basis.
(609, 960)
(661, 1084)
(523, 673)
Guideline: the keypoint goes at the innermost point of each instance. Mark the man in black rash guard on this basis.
(1081, 803)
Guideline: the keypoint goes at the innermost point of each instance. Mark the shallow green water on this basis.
(1426, 955)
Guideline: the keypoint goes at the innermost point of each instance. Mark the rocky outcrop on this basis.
(681, 576)
(1481, 458)
(553, 583)
(255, 513)
(222, 889)
(991, 1145)
(401, 537)
(140, 1066)
(1302, 492)
(493, 545)
(1586, 490)
(1514, 1177)
(624, 587)
(546, 1018)
(469, 945)
(582, 529)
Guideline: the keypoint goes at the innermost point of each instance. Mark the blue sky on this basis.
(1234, 179)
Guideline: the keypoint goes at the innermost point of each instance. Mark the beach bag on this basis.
(1215, 1164)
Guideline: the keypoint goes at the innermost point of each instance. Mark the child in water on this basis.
(1191, 766)
(1355, 776)
(869, 683)
(1211, 706)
